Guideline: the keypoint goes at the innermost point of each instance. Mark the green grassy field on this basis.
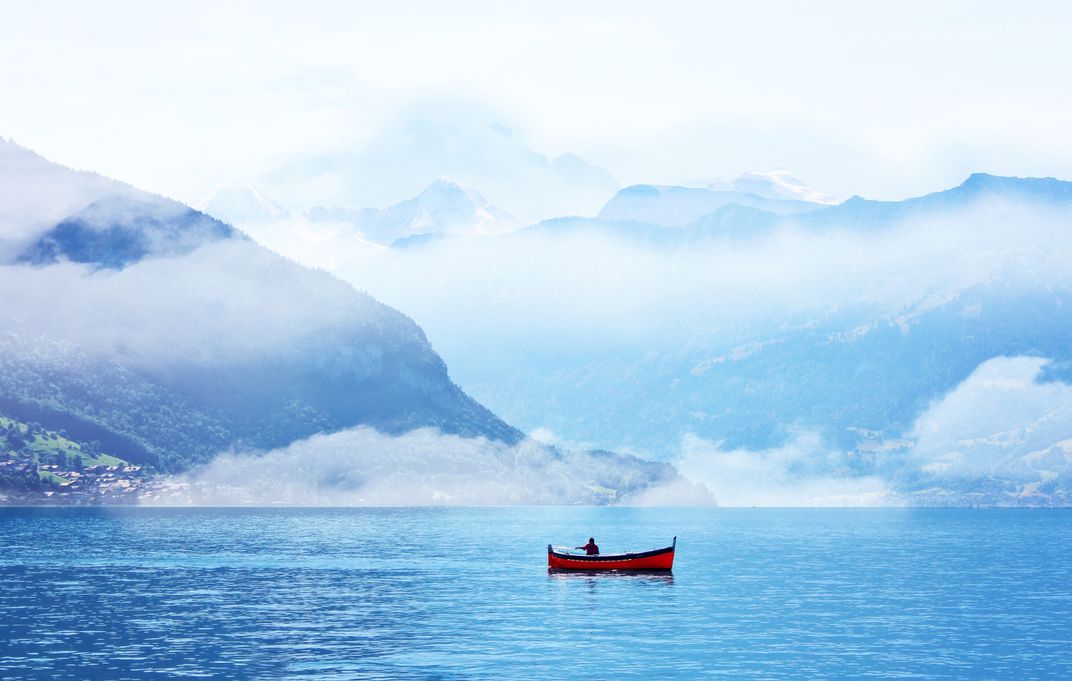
(46, 444)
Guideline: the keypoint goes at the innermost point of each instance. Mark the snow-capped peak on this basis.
(444, 188)
(774, 184)
(240, 203)
(446, 207)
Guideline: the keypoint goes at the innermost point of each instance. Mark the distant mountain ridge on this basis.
(861, 212)
(745, 328)
(241, 202)
(671, 206)
(398, 162)
(678, 216)
(443, 208)
(777, 184)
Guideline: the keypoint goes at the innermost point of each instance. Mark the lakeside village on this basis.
(42, 467)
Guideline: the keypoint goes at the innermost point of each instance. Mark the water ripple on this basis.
(464, 593)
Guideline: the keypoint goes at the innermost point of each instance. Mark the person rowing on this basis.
(590, 548)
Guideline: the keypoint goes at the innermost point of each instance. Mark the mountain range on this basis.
(681, 216)
(398, 162)
(750, 322)
(442, 208)
(169, 336)
(779, 184)
(670, 206)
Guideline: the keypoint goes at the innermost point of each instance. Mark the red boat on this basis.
(656, 560)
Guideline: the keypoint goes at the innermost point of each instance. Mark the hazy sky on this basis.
(877, 98)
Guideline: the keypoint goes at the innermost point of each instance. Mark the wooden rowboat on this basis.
(656, 560)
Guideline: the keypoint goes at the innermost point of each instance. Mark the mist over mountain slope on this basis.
(670, 206)
(40, 194)
(118, 231)
(398, 162)
(239, 203)
(362, 467)
(779, 184)
(139, 321)
(443, 208)
(861, 213)
(865, 352)
(749, 330)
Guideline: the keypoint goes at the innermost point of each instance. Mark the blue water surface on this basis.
(135, 593)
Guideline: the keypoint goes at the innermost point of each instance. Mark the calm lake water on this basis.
(464, 593)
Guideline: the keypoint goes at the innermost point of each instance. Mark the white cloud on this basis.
(531, 322)
(803, 472)
(362, 467)
(998, 424)
(169, 93)
(602, 285)
(544, 435)
(224, 301)
(999, 437)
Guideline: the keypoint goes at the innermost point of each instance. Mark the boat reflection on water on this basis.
(593, 576)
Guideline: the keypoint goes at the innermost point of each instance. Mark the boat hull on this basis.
(658, 560)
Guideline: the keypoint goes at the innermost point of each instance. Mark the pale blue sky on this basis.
(877, 98)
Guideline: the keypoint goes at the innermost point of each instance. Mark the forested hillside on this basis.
(168, 336)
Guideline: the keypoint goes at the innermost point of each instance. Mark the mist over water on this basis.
(362, 467)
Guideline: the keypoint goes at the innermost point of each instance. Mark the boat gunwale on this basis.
(611, 557)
